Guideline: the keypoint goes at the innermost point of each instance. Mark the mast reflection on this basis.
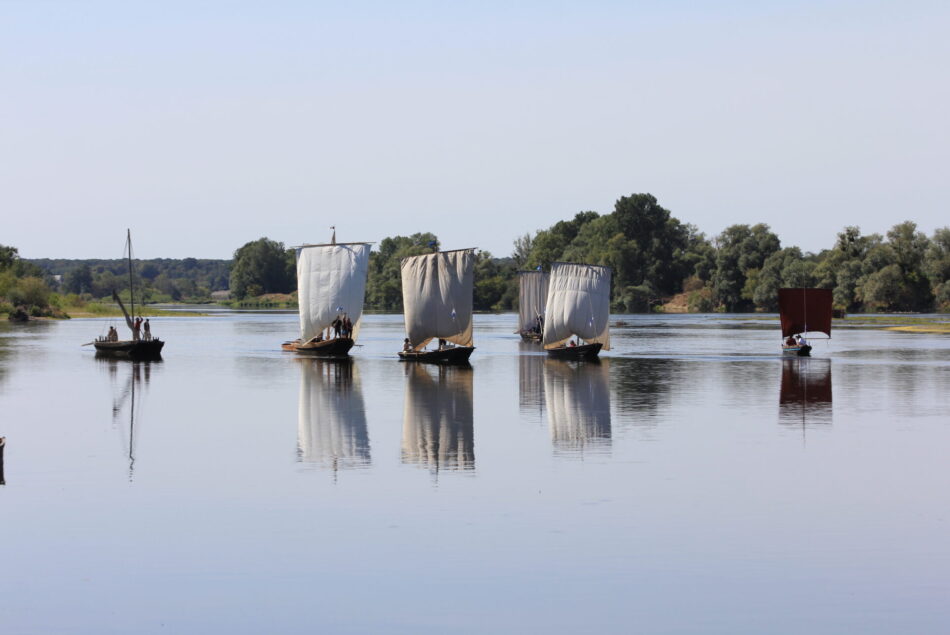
(127, 396)
(3, 444)
(805, 395)
(437, 429)
(331, 422)
(577, 395)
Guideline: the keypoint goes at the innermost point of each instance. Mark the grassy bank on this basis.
(96, 309)
(904, 323)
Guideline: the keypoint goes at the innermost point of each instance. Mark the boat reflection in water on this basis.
(530, 378)
(805, 395)
(577, 395)
(437, 429)
(331, 423)
(128, 379)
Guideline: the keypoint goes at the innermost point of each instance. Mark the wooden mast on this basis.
(128, 242)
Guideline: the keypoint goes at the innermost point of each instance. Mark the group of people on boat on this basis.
(141, 330)
(443, 345)
(795, 340)
(342, 326)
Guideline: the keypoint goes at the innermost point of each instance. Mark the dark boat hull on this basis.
(584, 351)
(802, 351)
(130, 349)
(530, 336)
(336, 347)
(454, 355)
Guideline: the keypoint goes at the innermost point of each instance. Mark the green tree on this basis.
(740, 249)
(384, 284)
(79, 279)
(262, 266)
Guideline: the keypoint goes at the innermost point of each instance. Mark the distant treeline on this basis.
(156, 280)
(659, 263)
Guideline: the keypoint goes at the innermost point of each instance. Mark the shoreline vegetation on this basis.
(660, 265)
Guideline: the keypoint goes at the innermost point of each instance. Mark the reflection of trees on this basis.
(437, 430)
(642, 385)
(578, 404)
(331, 424)
(127, 396)
(805, 395)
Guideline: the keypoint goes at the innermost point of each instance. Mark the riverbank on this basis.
(95, 310)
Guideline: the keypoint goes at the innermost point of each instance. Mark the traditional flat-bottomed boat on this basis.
(577, 310)
(333, 347)
(331, 284)
(448, 355)
(532, 297)
(142, 346)
(582, 351)
(802, 311)
(437, 296)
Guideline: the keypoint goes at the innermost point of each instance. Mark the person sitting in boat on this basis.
(572, 343)
(800, 340)
(148, 331)
(790, 341)
(406, 346)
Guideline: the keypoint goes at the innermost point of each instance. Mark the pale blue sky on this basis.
(203, 125)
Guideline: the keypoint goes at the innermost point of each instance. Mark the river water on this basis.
(692, 481)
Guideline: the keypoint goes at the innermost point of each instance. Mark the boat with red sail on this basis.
(803, 311)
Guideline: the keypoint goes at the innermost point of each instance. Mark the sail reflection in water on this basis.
(530, 378)
(127, 378)
(806, 391)
(437, 429)
(577, 395)
(331, 424)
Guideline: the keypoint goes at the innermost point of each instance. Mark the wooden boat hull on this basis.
(802, 351)
(584, 351)
(336, 347)
(130, 349)
(530, 336)
(454, 355)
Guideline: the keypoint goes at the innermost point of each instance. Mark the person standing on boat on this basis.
(137, 329)
(148, 331)
(347, 326)
(337, 325)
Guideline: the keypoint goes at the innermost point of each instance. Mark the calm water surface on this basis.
(693, 481)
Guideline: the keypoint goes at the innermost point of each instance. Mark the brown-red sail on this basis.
(804, 310)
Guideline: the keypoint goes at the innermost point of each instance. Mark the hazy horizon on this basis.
(205, 127)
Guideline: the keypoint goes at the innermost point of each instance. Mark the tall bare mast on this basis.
(128, 243)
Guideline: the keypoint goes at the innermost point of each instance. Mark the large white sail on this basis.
(532, 297)
(331, 280)
(578, 304)
(331, 419)
(437, 428)
(437, 293)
